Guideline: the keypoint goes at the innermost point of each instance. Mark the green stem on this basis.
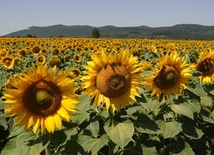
(48, 148)
(111, 148)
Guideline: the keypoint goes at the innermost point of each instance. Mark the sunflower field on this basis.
(69, 96)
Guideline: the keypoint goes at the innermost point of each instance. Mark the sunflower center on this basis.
(167, 77)
(42, 98)
(113, 80)
(206, 66)
(116, 81)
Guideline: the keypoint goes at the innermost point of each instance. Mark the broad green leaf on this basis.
(80, 116)
(183, 109)
(149, 150)
(25, 143)
(3, 121)
(195, 106)
(187, 150)
(144, 124)
(121, 134)
(61, 137)
(10, 148)
(207, 116)
(91, 144)
(83, 106)
(72, 147)
(198, 90)
(169, 129)
(16, 130)
(28, 143)
(94, 128)
(191, 131)
(206, 101)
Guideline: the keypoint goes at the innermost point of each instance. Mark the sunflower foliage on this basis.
(165, 105)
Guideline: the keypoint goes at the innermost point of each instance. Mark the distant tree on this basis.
(29, 36)
(95, 33)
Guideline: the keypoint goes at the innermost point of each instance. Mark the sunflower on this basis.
(39, 97)
(7, 62)
(112, 80)
(54, 61)
(205, 65)
(76, 72)
(36, 50)
(172, 75)
(40, 59)
(77, 57)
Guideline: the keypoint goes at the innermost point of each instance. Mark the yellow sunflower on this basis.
(205, 65)
(172, 75)
(39, 97)
(112, 80)
(7, 62)
(40, 59)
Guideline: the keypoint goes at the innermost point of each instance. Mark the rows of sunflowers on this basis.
(65, 96)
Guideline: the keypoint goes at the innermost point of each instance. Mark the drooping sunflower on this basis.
(39, 97)
(172, 75)
(205, 65)
(54, 61)
(112, 79)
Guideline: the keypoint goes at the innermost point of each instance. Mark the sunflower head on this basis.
(40, 59)
(172, 75)
(112, 79)
(205, 65)
(40, 97)
(7, 62)
(54, 61)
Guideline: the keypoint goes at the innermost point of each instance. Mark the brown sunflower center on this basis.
(7, 61)
(206, 66)
(113, 80)
(42, 98)
(167, 77)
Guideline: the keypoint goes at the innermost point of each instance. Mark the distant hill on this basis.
(181, 31)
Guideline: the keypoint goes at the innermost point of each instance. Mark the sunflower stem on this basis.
(111, 148)
(111, 116)
(48, 148)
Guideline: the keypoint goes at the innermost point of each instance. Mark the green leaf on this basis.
(83, 106)
(94, 128)
(121, 134)
(183, 109)
(26, 143)
(169, 129)
(3, 121)
(198, 90)
(10, 148)
(187, 150)
(190, 130)
(149, 150)
(16, 130)
(206, 101)
(145, 125)
(195, 106)
(91, 144)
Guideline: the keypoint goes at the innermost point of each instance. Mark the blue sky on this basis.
(20, 14)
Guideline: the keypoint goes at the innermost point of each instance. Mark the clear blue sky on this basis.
(20, 14)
